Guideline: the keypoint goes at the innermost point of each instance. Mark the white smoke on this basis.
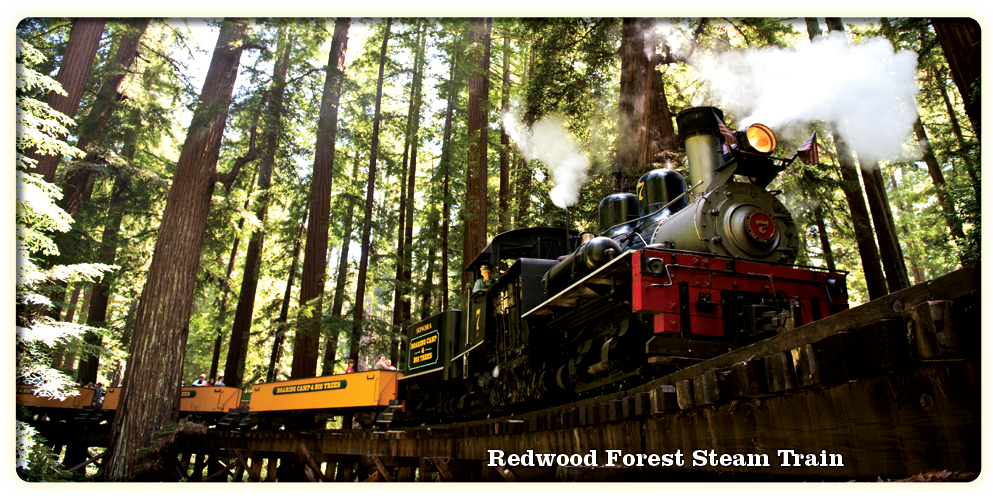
(868, 89)
(549, 141)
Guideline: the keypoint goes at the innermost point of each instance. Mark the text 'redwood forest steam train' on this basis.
(676, 275)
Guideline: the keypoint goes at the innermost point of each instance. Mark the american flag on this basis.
(726, 132)
(808, 152)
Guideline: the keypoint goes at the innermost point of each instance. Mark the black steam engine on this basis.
(677, 274)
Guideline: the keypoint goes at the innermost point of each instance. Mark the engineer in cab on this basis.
(485, 282)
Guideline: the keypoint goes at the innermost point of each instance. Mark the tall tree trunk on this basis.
(504, 196)
(882, 218)
(284, 310)
(822, 233)
(938, 179)
(331, 346)
(406, 194)
(445, 164)
(71, 312)
(357, 327)
(864, 239)
(914, 268)
(409, 209)
(225, 286)
(523, 176)
(308, 336)
(644, 126)
(428, 283)
(956, 128)
(96, 121)
(158, 342)
(100, 293)
(242, 325)
(77, 63)
(474, 212)
(960, 41)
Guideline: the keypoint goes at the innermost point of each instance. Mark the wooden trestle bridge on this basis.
(888, 390)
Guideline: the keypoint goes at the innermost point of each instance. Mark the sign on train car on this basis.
(209, 399)
(357, 389)
(26, 396)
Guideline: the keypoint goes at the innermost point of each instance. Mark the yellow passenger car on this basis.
(343, 392)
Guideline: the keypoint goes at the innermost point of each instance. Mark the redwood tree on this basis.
(315, 256)
(77, 62)
(107, 97)
(242, 325)
(644, 125)
(474, 210)
(370, 192)
(960, 41)
(158, 341)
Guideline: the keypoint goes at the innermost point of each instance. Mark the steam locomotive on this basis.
(676, 275)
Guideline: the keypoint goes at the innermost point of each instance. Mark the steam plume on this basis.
(549, 141)
(868, 89)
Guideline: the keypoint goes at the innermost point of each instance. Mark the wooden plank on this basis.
(684, 394)
(442, 465)
(223, 470)
(405, 474)
(242, 467)
(255, 473)
(892, 426)
(382, 468)
(423, 470)
(309, 473)
(373, 478)
(271, 468)
(310, 461)
(329, 470)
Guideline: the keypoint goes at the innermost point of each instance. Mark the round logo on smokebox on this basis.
(760, 226)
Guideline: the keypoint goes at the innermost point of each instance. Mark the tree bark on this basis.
(308, 335)
(77, 63)
(357, 327)
(474, 212)
(95, 125)
(158, 342)
(242, 325)
(644, 125)
(960, 41)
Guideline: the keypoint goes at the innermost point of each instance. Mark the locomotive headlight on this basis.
(760, 138)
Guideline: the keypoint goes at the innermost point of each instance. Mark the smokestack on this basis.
(701, 138)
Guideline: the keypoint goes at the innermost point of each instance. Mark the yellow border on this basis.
(437, 9)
